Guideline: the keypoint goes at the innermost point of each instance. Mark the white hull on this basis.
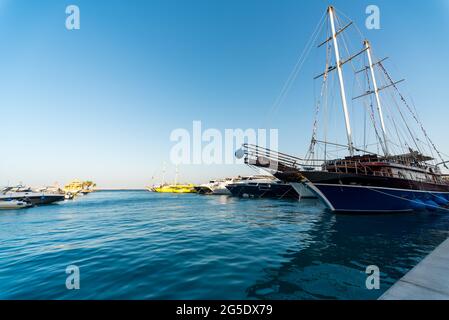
(13, 204)
(303, 191)
(220, 190)
(216, 188)
(219, 187)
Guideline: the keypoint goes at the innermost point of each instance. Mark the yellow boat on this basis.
(77, 186)
(172, 188)
(175, 188)
(73, 187)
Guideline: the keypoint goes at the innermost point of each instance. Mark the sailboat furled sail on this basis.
(393, 174)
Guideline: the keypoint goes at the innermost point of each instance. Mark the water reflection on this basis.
(340, 248)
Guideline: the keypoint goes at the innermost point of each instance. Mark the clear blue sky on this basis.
(100, 103)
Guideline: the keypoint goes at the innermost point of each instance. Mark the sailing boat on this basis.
(395, 177)
(173, 188)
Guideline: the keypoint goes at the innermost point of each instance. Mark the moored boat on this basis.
(175, 188)
(220, 186)
(263, 189)
(172, 188)
(21, 193)
(78, 187)
(268, 187)
(391, 176)
(377, 184)
(215, 187)
(203, 189)
(14, 204)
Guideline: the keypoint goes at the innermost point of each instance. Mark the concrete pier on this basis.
(429, 280)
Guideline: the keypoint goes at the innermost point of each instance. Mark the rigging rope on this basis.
(297, 68)
(412, 113)
(310, 153)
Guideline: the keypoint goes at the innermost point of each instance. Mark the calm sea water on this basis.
(141, 245)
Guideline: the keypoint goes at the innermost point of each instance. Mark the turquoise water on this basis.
(141, 245)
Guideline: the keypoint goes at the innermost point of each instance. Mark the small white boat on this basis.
(14, 204)
(69, 196)
(217, 187)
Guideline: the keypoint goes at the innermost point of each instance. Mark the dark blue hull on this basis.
(344, 198)
(264, 190)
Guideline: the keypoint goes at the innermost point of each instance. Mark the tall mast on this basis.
(342, 84)
(376, 91)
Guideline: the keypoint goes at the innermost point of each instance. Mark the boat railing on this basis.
(271, 159)
(278, 161)
(351, 167)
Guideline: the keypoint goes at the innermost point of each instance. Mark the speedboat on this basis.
(220, 186)
(203, 189)
(14, 204)
(216, 187)
(22, 193)
(265, 188)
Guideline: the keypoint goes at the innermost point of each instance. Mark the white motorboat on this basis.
(268, 187)
(216, 187)
(220, 186)
(14, 204)
(26, 194)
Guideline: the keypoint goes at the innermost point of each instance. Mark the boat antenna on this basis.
(338, 63)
